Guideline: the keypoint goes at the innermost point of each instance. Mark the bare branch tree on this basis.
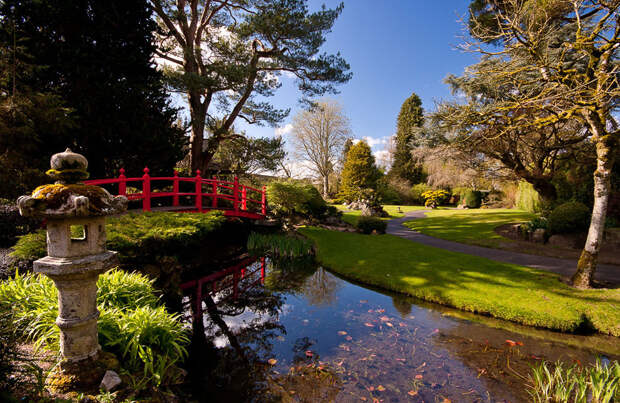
(319, 135)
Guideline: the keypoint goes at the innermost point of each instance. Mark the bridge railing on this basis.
(245, 200)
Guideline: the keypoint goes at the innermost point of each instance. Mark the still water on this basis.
(292, 331)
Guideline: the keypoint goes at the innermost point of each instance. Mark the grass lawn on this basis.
(475, 227)
(351, 216)
(519, 294)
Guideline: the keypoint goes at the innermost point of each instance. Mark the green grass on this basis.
(351, 216)
(515, 293)
(474, 227)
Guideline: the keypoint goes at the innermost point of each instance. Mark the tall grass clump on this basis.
(279, 245)
(597, 383)
(132, 324)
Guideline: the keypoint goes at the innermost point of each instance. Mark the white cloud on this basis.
(280, 131)
(372, 141)
(383, 158)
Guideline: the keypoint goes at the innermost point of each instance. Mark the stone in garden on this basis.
(538, 235)
(110, 381)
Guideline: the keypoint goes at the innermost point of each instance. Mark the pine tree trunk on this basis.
(198, 112)
(605, 149)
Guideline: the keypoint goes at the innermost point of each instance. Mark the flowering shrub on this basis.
(434, 198)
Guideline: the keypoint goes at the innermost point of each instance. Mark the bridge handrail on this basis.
(239, 195)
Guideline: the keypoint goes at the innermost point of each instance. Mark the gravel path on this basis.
(604, 273)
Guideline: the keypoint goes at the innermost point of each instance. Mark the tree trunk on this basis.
(605, 149)
(545, 189)
(326, 187)
(198, 112)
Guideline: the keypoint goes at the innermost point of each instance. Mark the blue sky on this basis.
(394, 47)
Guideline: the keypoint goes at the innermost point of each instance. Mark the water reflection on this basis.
(273, 331)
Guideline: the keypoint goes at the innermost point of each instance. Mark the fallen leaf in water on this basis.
(371, 388)
(369, 324)
(363, 301)
(309, 353)
(519, 343)
(272, 361)
(370, 311)
(389, 324)
(446, 400)
(418, 376)
(380, 388)
(401, 359)
(402, 324)
(412, 392)
(349, 338)
(384, 318)
(342, 333)
(363, 399)
(511, 343)
(380, 310)
(340, 363)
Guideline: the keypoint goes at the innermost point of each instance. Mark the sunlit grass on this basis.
(474, 227)
(395, 211)
(515, 293)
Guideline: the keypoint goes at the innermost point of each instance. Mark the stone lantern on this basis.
(77, 255)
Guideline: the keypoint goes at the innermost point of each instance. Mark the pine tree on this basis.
(411, 116)
(359, 172)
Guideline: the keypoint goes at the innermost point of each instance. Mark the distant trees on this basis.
(411, 116)
(319, 136)
(223, 54)
(79, 74)
(359, 172)
(247, 155)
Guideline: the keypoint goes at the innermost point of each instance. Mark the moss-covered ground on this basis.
(515, 293)
(474, 227)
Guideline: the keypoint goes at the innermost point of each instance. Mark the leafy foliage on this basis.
(417, 190)
(132, 324)
(433, 198)
(527, 198)
(568, 218)
(366, 225)
(359, 172)
(288, 198)
(246, 155)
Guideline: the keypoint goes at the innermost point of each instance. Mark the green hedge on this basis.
(569, 218)
(366, 225)
(139, 234)
(473, 199)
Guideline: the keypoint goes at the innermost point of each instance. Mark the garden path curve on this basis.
(604, 272)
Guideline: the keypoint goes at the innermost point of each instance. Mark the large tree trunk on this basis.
(198, 112)
(326, 186)
(605, 149)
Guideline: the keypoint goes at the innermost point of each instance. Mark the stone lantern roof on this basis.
(68, 197)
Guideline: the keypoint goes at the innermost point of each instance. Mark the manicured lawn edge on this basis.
(351, 216)
(505, 291)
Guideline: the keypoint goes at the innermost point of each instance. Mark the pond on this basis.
(293, 331)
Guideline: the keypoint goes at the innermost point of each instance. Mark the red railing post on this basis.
(214, 191)
(146, 190)
(244, 195)
(263, 202)
(262, 270)
(198, 191)
(122, 185)
(236, 194)
(175, 189)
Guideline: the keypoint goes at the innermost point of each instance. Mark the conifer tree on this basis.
(411, 116)
(359, 172)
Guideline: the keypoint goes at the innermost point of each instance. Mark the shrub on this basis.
(133, 324)
(367, 224)
(537, 223)
(289, 198)
(434, 198)
(527, 198)
(12, 224)
(418, 190)
(142, 234)
(387, 192)
(569, 218)
(473, 199)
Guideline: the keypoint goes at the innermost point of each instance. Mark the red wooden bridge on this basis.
(189, 194)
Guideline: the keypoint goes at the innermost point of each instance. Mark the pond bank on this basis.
(506, 291)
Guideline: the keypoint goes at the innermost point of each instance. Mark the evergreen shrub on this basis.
(366, 225)
(473, 199)
(569, 218)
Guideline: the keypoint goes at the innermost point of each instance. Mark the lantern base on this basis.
(81, 376)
